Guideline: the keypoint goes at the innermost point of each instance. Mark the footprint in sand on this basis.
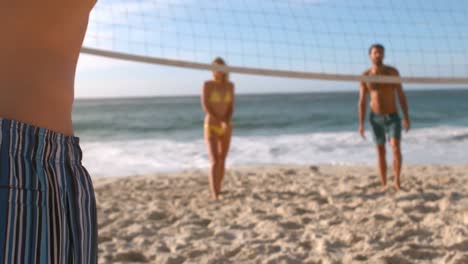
(201, 222)
(321, 200)
(325, 246)
(233, 252)
(431, 197)
(421, 254)
(408, 197)
(455, 197)
(311, 194)
(314, 169)
(270, 217)
(392, 260)
(301, 211)
(349, 178)
(375, 194)
(283, 258)
(255, 211)
(156, 215)
(104, 238)
(432, 187)
(225, 235)
(383, 218)
(170, 259)
(415, 218)
(141, 242)
(462, 246)
(343, 196)
(241, 227)
(259, 197)
(130, 256)
(363, 220)
(306, 220)
(360, 257)
(307, 245)
(291, 225)
(408, 234)
(267, 249)
(423, 209)
(350, 207)
(458, 259)
(290, 172)
(196, 253)
(161, 247)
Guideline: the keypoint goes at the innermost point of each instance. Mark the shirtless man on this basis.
(384, 116)
(47, 203)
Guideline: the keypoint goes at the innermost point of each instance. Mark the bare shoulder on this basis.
(208, 86)
(363, 83)
(231, 85)
(392, 70)
(366, 72)
(208, 83)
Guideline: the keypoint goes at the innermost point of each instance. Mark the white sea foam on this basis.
(135, 157)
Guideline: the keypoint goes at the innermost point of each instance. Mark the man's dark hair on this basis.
(376, 46)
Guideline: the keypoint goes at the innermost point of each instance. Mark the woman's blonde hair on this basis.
(220, 61)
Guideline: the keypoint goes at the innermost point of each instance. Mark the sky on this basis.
(422, 39)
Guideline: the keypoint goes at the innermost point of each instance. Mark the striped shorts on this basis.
(47, 202)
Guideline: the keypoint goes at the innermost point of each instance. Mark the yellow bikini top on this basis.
(215, 97)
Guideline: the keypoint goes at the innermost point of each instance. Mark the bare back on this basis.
(382, 95)
(40, 45)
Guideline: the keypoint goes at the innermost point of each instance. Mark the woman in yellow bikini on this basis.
(218, 104)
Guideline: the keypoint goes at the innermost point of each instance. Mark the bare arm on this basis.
(231, 105)
(205, 104)
(362, 107)
(403, 103)
(404, 106)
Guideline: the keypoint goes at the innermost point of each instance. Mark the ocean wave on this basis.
(145, 156)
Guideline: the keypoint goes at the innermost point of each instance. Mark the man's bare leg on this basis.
(382, 162)
(397, 161)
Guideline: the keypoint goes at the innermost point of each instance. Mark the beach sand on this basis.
(286, 214)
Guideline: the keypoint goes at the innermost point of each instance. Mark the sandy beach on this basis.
(286, 214)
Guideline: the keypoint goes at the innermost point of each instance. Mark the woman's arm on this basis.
(231, 105)
(205, 104)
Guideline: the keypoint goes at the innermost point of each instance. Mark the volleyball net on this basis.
(426, 41)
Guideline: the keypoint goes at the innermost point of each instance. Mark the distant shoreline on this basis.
(463, 89)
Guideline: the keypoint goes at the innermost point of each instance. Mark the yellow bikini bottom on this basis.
(218, 130)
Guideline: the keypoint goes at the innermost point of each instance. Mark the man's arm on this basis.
(206, 105)
(362, 108)
(403, 104)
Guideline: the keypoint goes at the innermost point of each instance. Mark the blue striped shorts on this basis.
(47, 202)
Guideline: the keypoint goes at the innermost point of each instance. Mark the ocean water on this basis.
(146, 135)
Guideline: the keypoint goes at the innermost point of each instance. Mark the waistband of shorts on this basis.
(394, 114)
(20, 139)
